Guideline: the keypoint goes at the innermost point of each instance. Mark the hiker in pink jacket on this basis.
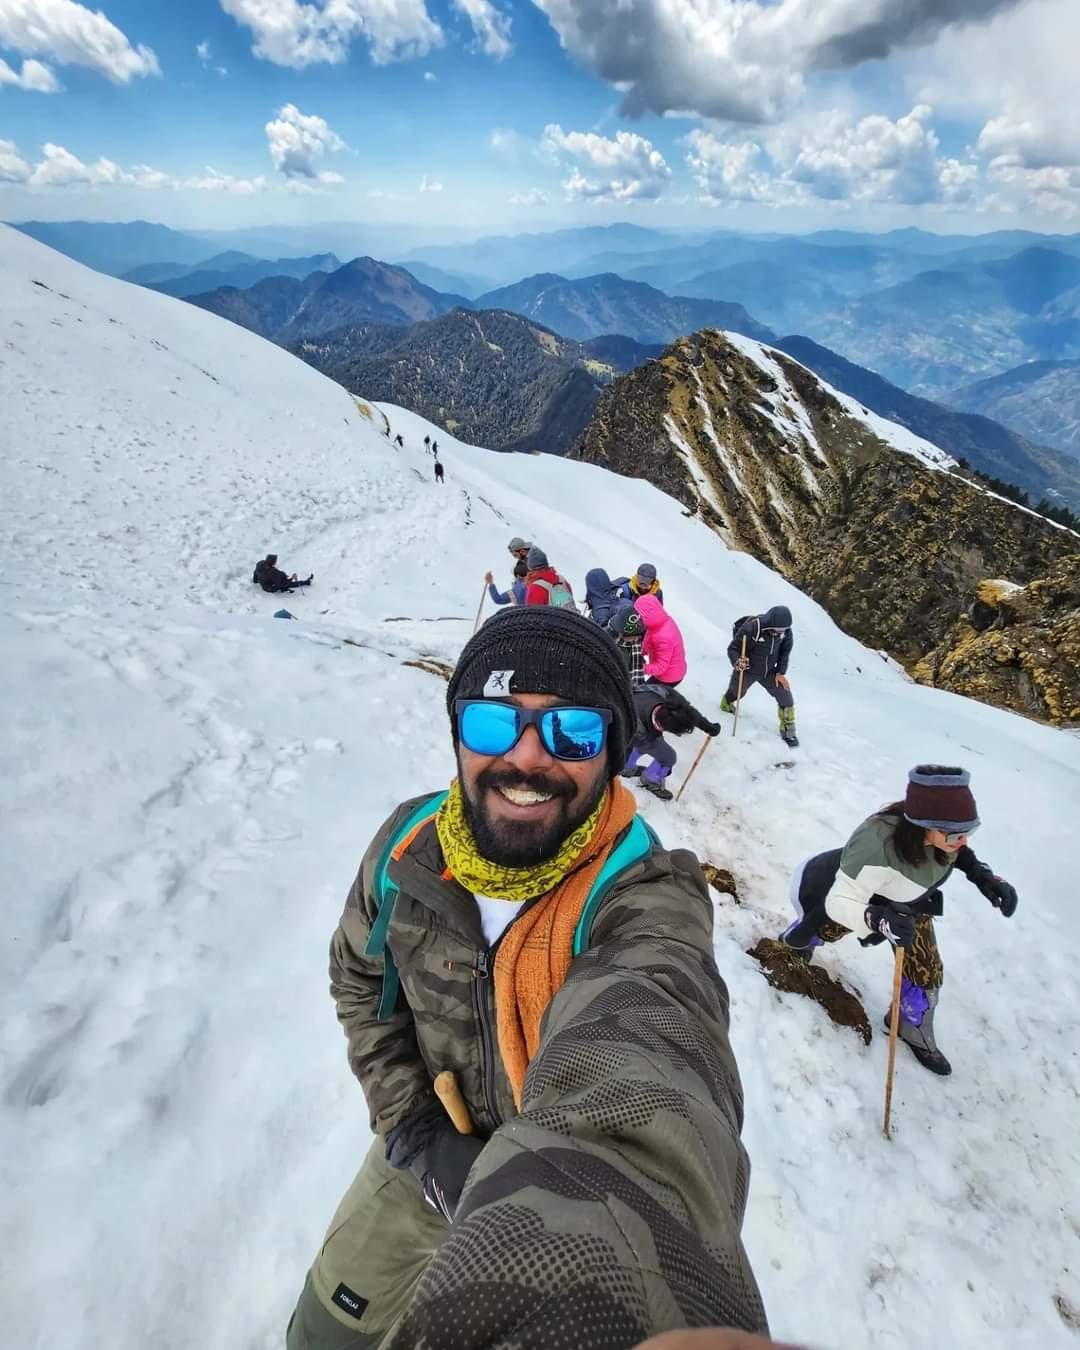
(665, 655)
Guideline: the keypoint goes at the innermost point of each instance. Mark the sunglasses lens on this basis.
(487, 728)
(574, 733)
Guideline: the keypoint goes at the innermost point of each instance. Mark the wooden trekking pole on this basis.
(697, 761)
(738, 699)
(480, 608)
(894, 1028)
(448, 1092)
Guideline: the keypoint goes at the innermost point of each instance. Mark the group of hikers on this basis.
(527, 984)
(631, 610)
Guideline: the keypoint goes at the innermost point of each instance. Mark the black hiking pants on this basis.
(767, 679)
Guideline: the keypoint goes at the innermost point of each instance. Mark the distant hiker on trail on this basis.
(645, 582)
(603, 596)
(435, 449)
(628, 639)
(884, 885)
(268, 575)
(427, 442)
(516, 594)
(768, 650)
(544, 586)
(398, 440)
(438, 472)
(525, 941)
(519, 548)
(663, 648)
(659, 710)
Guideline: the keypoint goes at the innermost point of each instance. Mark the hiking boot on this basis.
(787, 735)
(657, 790)
(635, 772)
(726, 705)
(917, 1007)
(786, 718)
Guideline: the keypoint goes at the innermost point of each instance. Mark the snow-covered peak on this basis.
(187, 785)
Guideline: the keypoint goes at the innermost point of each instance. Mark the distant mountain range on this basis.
(285, 309)
(591, 306)
(490, 377)
(227, 269)
(1040, 400)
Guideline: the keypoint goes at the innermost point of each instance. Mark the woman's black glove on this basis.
(996, 889)
(893, 924)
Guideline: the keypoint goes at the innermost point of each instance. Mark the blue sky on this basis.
(756, 114)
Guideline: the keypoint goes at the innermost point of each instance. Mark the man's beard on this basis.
(512, 843)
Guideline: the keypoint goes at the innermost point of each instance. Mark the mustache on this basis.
(529, 782)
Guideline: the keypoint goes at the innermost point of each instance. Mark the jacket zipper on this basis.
(481, 984)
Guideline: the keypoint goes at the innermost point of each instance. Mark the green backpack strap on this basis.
(385, 897)
(637, 843)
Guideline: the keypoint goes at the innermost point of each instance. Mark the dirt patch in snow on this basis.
(784, 970)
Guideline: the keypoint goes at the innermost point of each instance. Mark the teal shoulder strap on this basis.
(386, 893)
(636, 843)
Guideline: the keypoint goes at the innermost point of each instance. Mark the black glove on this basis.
(442, 1168)
(893, 924)
(996, 889)
(711, 728)
(427, 1145)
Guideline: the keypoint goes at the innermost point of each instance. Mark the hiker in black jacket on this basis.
(271, 578)
(768, 649)
(661, 709)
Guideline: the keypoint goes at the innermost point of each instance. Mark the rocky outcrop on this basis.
(1017, 646)
(879, 526)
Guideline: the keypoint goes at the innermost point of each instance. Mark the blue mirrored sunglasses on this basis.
(489, 727)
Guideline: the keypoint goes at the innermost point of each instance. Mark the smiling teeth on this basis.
(525, 796)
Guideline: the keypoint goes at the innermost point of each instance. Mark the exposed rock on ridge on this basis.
(873, 522)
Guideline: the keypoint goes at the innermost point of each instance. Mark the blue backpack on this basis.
(637, 842)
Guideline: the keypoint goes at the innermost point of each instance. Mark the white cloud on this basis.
(430, 76)
(290, 33)
(385, 195)
(296, 141)
(492, 28)
(506, 142)
(742, 60)
(69, 34)
(34, 77)
(728, 171)
(428, 185)
(836, 159)
(213, 181)
(633, 170)
(533, 197)
(202, 50)
(13, 168)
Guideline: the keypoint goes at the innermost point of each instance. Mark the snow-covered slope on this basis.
(187, 784)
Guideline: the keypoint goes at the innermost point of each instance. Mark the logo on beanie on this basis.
(498, 684)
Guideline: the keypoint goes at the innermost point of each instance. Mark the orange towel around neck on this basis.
(536, 950)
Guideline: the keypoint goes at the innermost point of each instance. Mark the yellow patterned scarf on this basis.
(486, 878)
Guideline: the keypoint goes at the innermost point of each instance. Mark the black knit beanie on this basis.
(939, 798)
(540, 650)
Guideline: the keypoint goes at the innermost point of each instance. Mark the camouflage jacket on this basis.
(621, 1185)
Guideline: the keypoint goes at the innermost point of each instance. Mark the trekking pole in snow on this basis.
(894, 1028)
(697, 761)
(448, 1092)
(480, 608)
(738, 697)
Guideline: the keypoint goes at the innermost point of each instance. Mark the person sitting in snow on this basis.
(516, 594)
(269, 576)
(885, 884)
(543, 585)
(604, 597)
(664, 650)
(645, 582)
(584, 1030)
(661, 709)
(768, 650)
